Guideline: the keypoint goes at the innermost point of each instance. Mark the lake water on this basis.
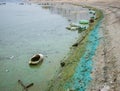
(28, 29)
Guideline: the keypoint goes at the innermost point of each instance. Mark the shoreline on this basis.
(106, 73)
(75, 54)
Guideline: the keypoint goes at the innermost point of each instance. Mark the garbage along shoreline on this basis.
(72, 60)
(106, 64)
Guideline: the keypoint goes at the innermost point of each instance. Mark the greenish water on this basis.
(26, 30)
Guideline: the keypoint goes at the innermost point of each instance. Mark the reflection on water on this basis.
(71, 12)
(26, 30)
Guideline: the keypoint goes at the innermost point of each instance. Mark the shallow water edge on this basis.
(73, 58)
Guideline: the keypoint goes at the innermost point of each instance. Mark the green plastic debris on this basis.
(84, 21)
(92, 17)
(74, 25)
(82, 28)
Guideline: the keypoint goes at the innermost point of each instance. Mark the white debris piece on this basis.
(105, 88)
(11, 57)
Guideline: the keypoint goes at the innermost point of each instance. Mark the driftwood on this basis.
(25, 87)
(31, 84)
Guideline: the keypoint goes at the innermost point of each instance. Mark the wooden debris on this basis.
(25, 87)
(31, 84)
(21, 83)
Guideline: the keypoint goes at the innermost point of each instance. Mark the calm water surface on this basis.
(26, 30)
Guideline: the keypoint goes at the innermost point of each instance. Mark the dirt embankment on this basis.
(106, 67)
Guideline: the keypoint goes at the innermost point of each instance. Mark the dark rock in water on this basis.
(62, 64)
(75, 45)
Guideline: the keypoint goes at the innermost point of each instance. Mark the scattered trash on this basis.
(92, 12)
(83, 24)
(74, 25)
(74, 28)
(79, 27)
(36, 59)
(82, 28)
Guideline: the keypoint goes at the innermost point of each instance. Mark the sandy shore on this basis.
(106, 67)
(106, 64)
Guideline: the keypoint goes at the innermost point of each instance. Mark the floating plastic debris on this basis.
(84, 21)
